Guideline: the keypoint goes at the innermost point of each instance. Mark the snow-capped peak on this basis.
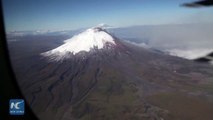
(95, 37)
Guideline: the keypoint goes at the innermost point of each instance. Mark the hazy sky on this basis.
(73, 14)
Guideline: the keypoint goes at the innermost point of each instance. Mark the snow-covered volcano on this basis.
(105, 78)
(93, 38)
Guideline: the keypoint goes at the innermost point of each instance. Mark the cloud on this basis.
(190, 53)
(137, 44)
(184, 40)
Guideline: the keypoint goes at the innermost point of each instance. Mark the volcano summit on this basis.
(93, 38)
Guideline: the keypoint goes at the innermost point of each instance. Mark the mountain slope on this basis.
(118, 82)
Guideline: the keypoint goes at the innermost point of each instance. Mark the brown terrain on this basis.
(124, 83)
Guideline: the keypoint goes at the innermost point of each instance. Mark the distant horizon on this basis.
(84, 28)
(26, 15)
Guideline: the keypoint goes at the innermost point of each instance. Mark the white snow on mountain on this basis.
(94, 37)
